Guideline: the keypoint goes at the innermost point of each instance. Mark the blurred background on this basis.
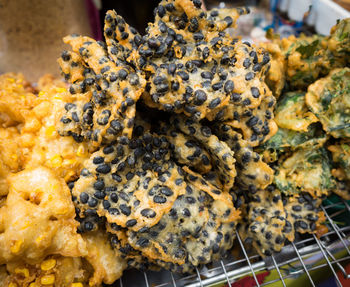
(31, 31)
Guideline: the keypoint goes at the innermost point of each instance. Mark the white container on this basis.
(297, 9)
(283, 5)
(326, 15)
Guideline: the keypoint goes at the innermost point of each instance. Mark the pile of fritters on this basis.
(180, 141)
(154, 110)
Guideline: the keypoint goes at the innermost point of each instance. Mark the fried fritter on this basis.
(329, 99)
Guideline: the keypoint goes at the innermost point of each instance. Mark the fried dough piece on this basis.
(16, 99)
(38, 219)
(329, 99)
(107, 263)
(11, 156)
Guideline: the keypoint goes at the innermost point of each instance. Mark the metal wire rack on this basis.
(302, 258)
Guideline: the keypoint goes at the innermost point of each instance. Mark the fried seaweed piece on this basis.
(305, 170)
(106, 93)
(308, 58)
(341, 166)
(286, 139)
(329, 99)
(292, 113)
(338, 43)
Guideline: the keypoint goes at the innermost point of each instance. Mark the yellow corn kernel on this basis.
(12, 284)
(78, 284)
(14, 157)
(81, 151)
(19, 86)
(34, 284)
(56, 160)
(48, 264)
(47, 279)
(15, 248)
(69, 176)
(61, 90)
(11, 80)
(50, 131)
(23, 271)
(41, 93)
(57, 97)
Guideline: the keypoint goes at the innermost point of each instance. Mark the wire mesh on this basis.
(295, 259)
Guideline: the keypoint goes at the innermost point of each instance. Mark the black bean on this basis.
(114, 197)
(296, 208)
(99, 185)
(147, 212)
(122, 74)
(246, 63)
(198, 36)
(84, 197)
(184, 76)
(142, 242)
(255, 92)
(159, 199)
(257, 67)
(205, 53)
(186, 212)
(131, 222)
(214, 103)
(252, 121)
(229, 86)
(166, 191)
(249, 76)
(103, 168)
(125, 209)
(207, 75)
(200, 97)
(228, 20)
(92, 202)
(217, 86)
(65, 56)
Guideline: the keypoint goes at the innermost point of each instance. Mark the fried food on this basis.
(38, 219)
(273, 218)
(307, 58)
(54, 270)
(163, 145)
(329, 99)
(104, 93)
(292, 113)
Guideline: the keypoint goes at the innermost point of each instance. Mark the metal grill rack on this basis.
(331, 252)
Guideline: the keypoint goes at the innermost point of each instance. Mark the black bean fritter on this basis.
(106, 93)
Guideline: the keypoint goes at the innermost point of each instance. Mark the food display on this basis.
(154, 150)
